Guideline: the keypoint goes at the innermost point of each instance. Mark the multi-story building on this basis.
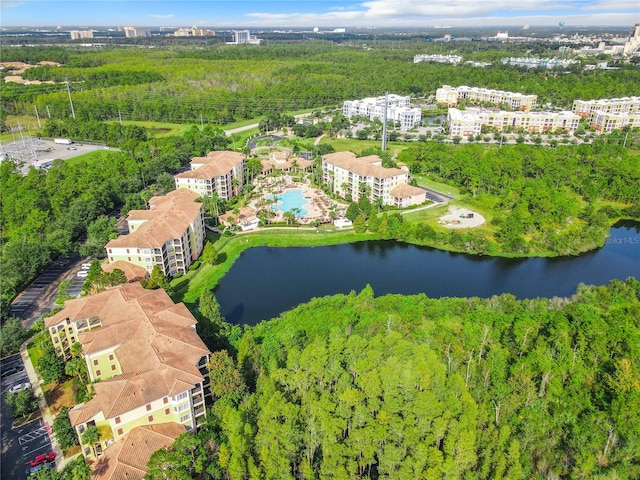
(450, 96)
(244, 36)
(78, 34)
(606, 122)
(349, 176)
(464, 123)
(585, 108)
(170, 234)
(146, 353)
(534, 62)
(193, 32)
(220, 172)
(133, 32)
(397, 109)
(453, 59)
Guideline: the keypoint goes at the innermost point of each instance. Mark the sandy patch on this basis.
(461, 218)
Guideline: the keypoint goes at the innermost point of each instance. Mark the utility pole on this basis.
(73, 113)
(384, 122)
(624, 145)
(120, 117)
(201, 123)
(48, 112)
(37, 116)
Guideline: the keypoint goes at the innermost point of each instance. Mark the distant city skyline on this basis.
(326, 13)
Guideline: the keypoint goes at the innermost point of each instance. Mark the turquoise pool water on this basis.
(289, 200)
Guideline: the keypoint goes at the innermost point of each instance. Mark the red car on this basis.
(43, 458)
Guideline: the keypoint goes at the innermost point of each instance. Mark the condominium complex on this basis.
(453, 59)
(450, 96)
(133, 32)
(606, 122)
(397, 109)
(219, 172)
(349, 176)
(78, 34)
(464, 123)
(170, 234)
(193, 32)
(147, 356)
(585, 108)
(244, 36)
(533, 62)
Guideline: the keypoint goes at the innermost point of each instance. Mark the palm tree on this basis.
(90, 437)
(378, 203)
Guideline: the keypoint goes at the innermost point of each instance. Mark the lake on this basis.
(266, 281)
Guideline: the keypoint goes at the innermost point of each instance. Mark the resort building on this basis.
(133, 32)
(450, 96)
(453, 59)
(244, 36)
(193, 32)
(606, 122)
(349, 176)
(464, 123)
(585, 108)
(80, 34)
(534, 62)
(283, 161)
(220, 172)
(170, 234)
(147, 356)
(397, 109)
(127, 459)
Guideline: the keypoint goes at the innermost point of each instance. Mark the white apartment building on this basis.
(346, 175)
(585, 108)
(534, 62)
(220, 172)
(606, 122)
(464, 123)
(450, 96)
(79, 34)
(244, 36)
(133, 32)
(170, 234)
(453, 59)
(398, 109)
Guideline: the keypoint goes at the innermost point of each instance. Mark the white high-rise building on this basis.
(398, 109)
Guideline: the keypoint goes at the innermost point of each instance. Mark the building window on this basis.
(118, 420)
(150, 418)
(120, 431)
(185, 418)
(167, 411)
(113, 367)
(95, 362)
(111, 356)
(165, 400)
(148, 407)
(98, 373)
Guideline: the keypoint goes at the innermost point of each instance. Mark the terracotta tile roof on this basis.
(215, 164)
(302, 164)
(169, 217)
(365, 166)
(155, 342)
(245, 214)
(127, 458)
(404, 191)
(131, 271)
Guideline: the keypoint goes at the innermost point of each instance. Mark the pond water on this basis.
(267, 281)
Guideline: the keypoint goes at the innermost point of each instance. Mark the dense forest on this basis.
(408, 387)
(222, 83)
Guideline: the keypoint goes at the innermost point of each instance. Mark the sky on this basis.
(322, 14)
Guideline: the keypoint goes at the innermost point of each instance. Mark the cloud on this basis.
(8, 4)
(160, 16)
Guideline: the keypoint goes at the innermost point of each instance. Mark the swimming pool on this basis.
(289, 200)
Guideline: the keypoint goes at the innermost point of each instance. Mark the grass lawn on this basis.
(59, 395)
(91, 157)
(34, 351)
(356, 146)
(189, 287)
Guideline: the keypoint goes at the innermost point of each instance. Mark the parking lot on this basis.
(21, 444)
(39, 152)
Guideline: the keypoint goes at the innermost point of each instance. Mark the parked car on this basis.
(19, 387)
(11, 370)
(82, 274)
(43, 466)
(42, 459)
(85, 266)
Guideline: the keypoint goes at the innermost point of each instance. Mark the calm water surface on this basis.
(267, 281)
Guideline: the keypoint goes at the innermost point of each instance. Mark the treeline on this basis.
(225, 84)
(45, 214)
(549, 199)
(407, 387)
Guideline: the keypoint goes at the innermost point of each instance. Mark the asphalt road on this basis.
(18, 445)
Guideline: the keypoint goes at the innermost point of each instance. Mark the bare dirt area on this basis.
(458, 217)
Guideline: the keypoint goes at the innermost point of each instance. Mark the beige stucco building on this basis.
(450, 96)
(170, 234)
(222, 172)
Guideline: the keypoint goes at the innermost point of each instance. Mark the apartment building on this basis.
(170, 234)
(464, 123)
(133, 32)
(585, 108)
(606, 122)
(397, 108)
(452, 59)
(450, 96)
(80, 34)
(146, 353)
(346, 175)
(220, 172)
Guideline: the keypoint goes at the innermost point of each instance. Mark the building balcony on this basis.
(197, 399)
(199, 411)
